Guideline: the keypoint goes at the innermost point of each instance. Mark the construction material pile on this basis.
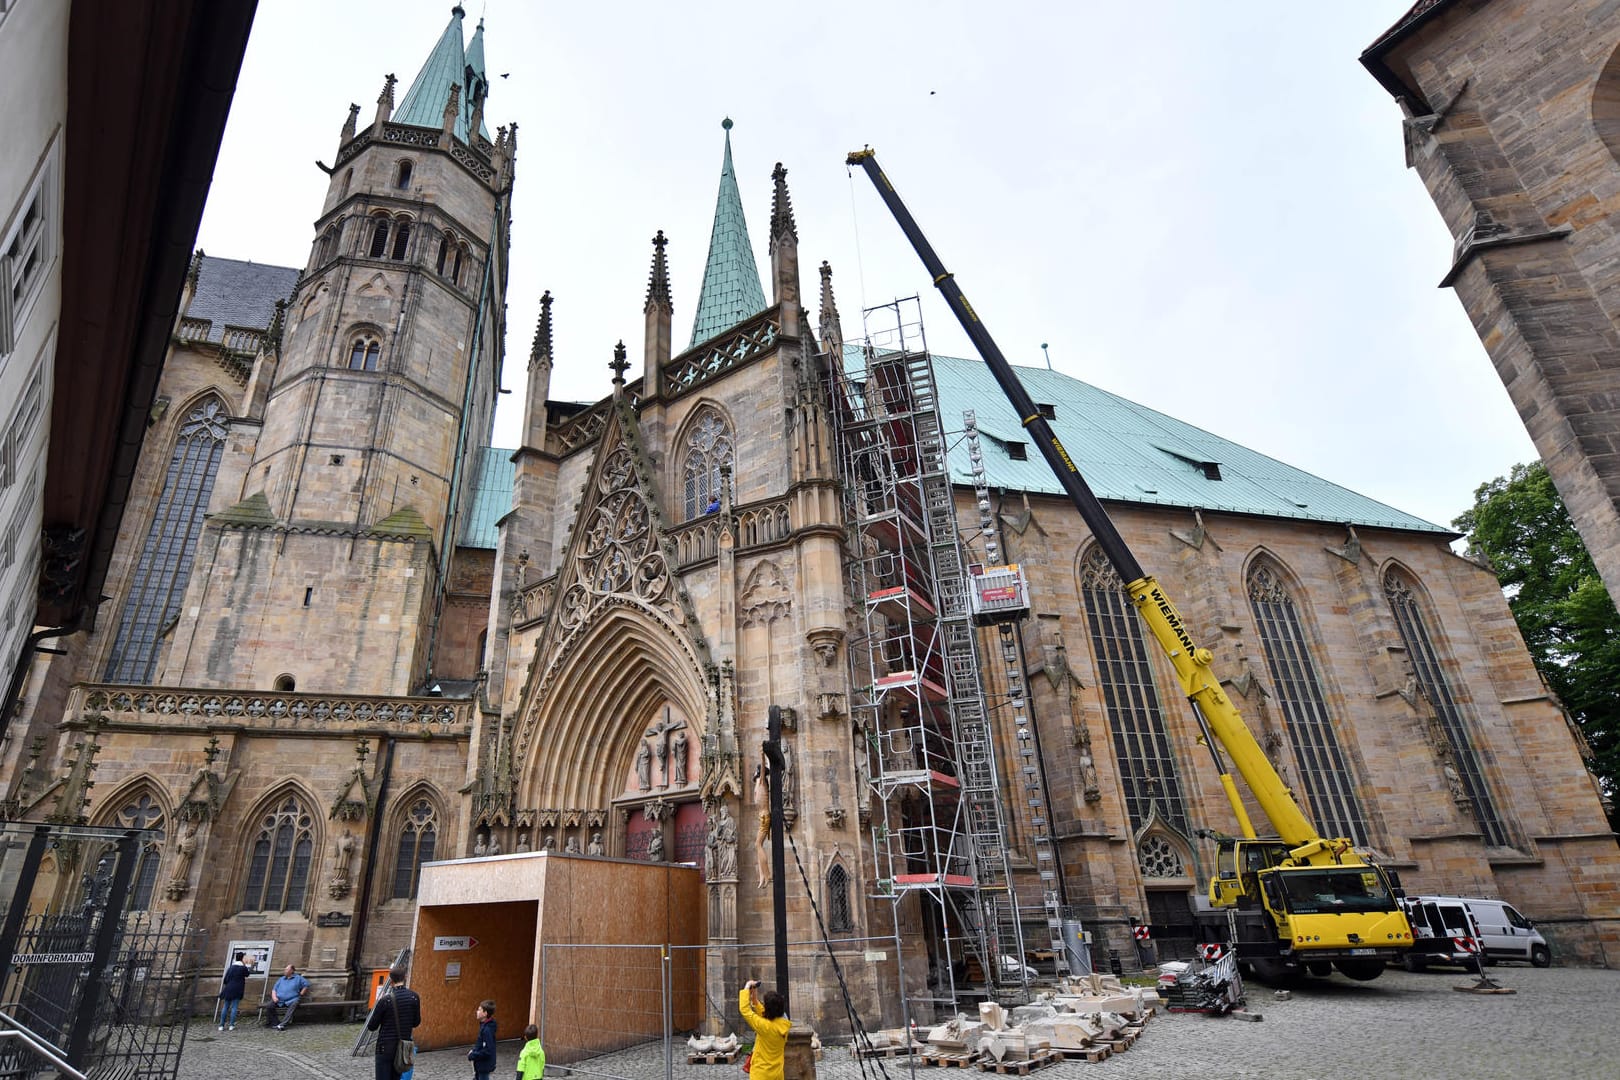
(1088, 1018)
(1199, 986)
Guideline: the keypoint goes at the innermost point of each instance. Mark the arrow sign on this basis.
(454, 944)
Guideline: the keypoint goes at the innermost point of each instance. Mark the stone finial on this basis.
(540, 353)
(385, 100)
(619, 364)
(452, 108)
(349, 124)
(782, 226)
(194, 271)
(658, 295)
(830, 326)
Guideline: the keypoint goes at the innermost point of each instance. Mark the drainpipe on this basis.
(363, 908)
(25, 663)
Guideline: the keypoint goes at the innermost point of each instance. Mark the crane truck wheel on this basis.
(1276, 972)
(1359, 969)
(1320, 968)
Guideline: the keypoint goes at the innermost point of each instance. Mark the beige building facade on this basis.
(345, 637)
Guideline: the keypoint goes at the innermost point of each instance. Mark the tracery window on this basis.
(283, 848)
(364, 353)
(1147, 768)
(1324, 772)
(1431, 678)
(839, 915)
(708, 446)
(417, 838)
(143, 812)
(1158, 858)
(164, 565)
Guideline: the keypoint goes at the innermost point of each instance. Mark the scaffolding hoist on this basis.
(918, 700)
(999, 597)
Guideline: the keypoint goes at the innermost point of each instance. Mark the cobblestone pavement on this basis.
(1562, 1022)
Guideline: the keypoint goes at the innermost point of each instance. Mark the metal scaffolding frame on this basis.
(918, 701)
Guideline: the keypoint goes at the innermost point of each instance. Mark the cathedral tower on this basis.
(331, 540)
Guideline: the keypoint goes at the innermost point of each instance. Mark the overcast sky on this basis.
(1199, 206)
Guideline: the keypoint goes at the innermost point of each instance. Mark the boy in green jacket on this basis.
(532, 1061)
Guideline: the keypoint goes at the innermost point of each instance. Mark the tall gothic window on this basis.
(839, 916)
(1324, 772)
(416, 842)
(278, 875)
(708, 446)
(1147, 768)
(142, 812)
(402, 238)
(1431, 677)
(171, 542)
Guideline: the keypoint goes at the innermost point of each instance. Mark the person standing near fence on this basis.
(482, 1055)
(397, 1012)
(770, 1030)
(532, 1061)
(231, 989)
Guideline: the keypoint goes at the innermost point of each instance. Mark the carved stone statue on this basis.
(523, 841)
(481, 845)
(678, 752)
(494, 844)
(185, 847)
(572, 847)
(342, 853)
(661, 752)
(549, 842)
(644, 766)
(655, 846)
(720, 858)
(595, 847)
(790, 779)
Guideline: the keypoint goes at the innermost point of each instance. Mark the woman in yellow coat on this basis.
(770, 1030)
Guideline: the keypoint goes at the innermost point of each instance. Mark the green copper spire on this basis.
(449, 62)
(731, 290)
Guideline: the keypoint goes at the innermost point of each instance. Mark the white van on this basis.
(1505, 934)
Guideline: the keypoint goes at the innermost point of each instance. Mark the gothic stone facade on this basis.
(1512, 119)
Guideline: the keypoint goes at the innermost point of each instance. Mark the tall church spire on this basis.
(731, 290)
(449, 63)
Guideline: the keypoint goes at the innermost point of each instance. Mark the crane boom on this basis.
(1300, 900)
(1190, 661)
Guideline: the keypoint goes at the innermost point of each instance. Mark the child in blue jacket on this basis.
(482, 1055)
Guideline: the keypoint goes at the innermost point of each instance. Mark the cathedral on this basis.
(344, 636)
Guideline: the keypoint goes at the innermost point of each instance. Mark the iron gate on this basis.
(107, 991)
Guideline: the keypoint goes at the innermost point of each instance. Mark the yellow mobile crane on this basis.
(1287, 902)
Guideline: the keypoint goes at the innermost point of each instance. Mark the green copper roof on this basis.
(731, 290)
(493, 499)
(449, 62)
(1130, 453)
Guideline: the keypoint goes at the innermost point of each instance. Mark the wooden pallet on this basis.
(957, 1061)
(1019, 1068)
(714, 1057)
(1092, 1054)
(885, 1051)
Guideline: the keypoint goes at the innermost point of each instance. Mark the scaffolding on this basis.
(918, 702)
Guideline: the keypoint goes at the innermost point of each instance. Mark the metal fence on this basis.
(83, 983)
(624, 1012)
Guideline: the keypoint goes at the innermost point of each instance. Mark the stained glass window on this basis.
(164, 565)
(278, 873)
(417, 839)
(1324, 772)
(1147, 769)
(1431, 677)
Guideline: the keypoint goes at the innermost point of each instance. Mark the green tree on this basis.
(1566, 616)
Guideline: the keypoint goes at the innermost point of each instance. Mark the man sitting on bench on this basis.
(287, 993)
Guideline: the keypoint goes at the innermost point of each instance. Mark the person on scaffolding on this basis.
(770, 1030)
